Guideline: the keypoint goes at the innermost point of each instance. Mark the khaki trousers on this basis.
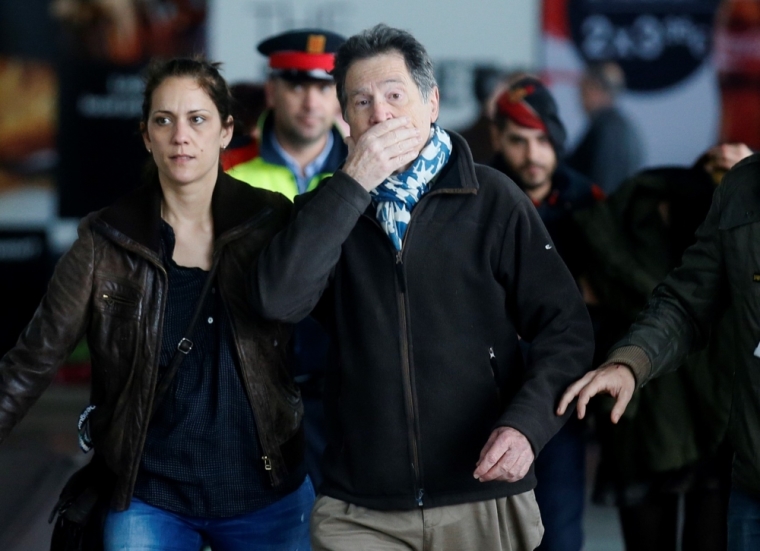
(506, 524)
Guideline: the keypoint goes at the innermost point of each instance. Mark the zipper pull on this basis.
(400, 272)
(267, 463)
(495, 369)
(420, 493)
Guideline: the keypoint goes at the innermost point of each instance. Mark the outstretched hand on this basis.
(382, 150)
(507, 456)
(616, 380)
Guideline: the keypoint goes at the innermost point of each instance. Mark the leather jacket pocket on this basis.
(117, 297)
(114, 338)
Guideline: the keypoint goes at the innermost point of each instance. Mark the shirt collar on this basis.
(311, 169)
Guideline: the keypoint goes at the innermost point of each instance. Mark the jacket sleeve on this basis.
(296, 267)
(545, 303)
(678, 316)
(56, 327)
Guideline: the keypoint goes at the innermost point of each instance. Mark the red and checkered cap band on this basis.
(519, 111)
(302, 61)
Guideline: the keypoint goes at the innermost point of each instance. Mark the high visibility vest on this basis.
(262, 174)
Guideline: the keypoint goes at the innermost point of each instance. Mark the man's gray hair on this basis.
(382, 39)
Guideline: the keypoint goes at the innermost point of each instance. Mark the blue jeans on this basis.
(561, 489)
(284, 525)
(743, 521)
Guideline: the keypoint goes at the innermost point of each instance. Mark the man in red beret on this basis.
(528, 137)
(300, 145)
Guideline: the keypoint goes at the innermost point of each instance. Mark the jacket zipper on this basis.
(419, 488)
(113, 299)
(406, 359)
(495, 370)
(406, 367)
(159, 334)
(266, 459)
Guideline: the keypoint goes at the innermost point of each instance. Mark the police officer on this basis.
(300, 143)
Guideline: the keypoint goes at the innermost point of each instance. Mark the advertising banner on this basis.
(28, 95)
(666, 50)
(106, 46)
(737, 59)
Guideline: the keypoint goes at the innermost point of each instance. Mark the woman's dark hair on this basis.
(204, 72)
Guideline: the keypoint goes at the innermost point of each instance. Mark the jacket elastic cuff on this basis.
(633, 357)
(531, 429)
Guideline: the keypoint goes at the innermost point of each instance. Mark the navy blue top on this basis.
(202, 455)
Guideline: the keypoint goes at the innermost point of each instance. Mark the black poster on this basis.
(658, 43)
(101, 151)
(24, 271)
(106, 45)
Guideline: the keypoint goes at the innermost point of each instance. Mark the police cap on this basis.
(302, 53)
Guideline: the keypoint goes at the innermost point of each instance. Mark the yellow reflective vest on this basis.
(262, 174)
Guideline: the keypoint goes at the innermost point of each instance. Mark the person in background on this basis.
(248, 103)
(427, 268)
(214, 452)
(487, 83)
(715, 283)
(611, 148)
(670, 445)
(300, 145)
(528, 137)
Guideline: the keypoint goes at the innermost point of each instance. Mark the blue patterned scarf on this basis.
(397, 195)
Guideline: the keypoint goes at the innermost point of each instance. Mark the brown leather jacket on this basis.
(111, 287)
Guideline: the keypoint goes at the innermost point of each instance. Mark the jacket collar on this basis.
(138, 214)
(458, 176)
(499, 163)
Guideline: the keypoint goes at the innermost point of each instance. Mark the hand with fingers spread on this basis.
(382, 150)
(507, 456)
(616, 380)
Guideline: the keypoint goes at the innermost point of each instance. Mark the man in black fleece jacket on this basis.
(426, 269)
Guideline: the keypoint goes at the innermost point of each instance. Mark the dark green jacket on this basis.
(719, 276)
(636, 238)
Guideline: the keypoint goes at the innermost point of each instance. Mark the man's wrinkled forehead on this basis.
(359, 78)
(366, 88)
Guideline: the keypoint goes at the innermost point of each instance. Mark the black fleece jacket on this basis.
(427, 358)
